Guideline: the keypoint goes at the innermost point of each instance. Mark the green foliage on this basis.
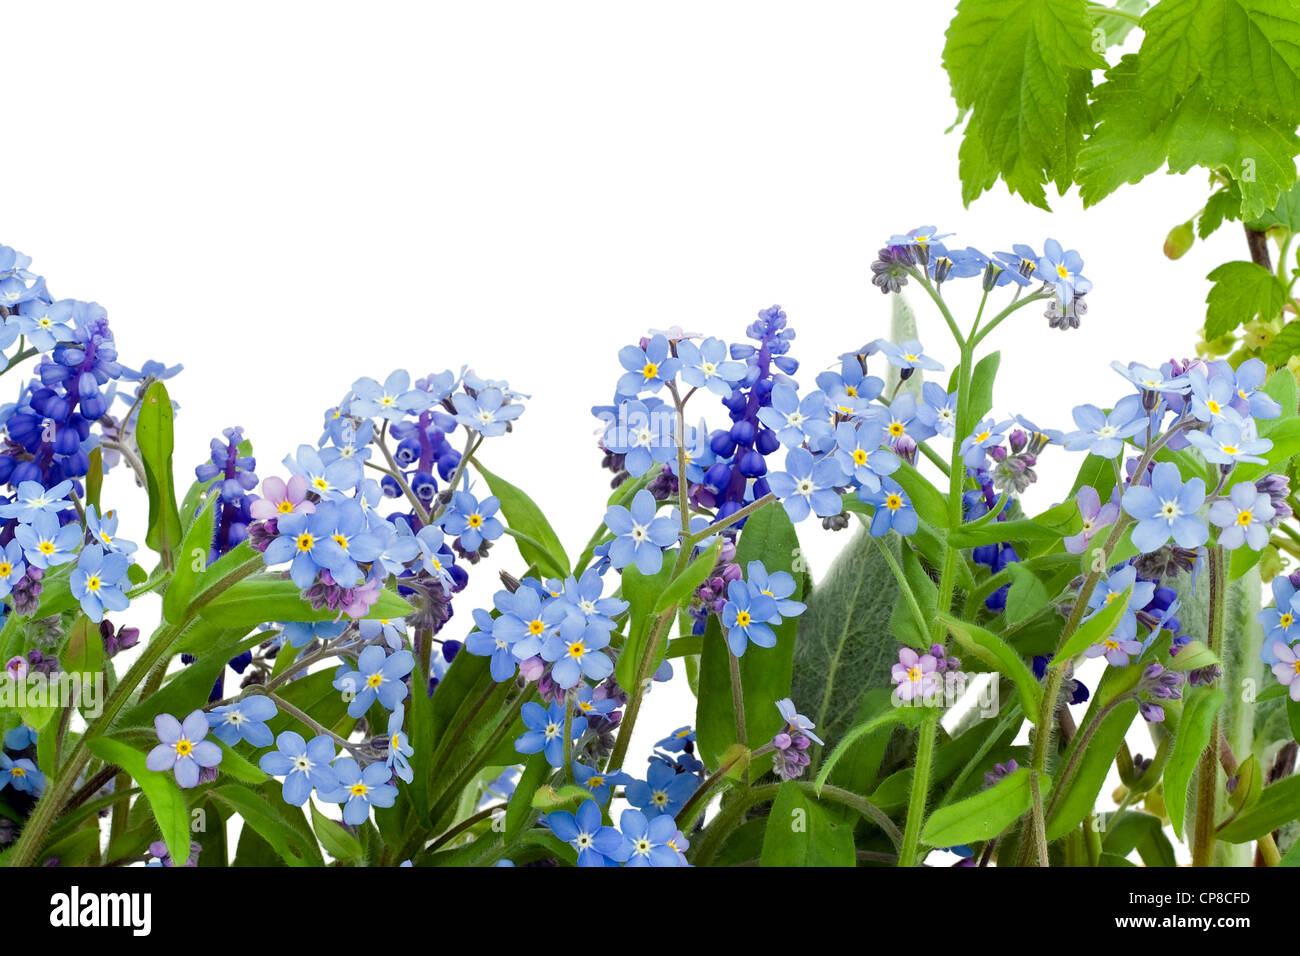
(800, 832)
(537, 542)
(155, 439)
(982, 816)
(1242, 291)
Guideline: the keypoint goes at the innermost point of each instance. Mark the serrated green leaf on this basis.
(1024, 72)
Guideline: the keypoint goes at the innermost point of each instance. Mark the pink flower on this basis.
(279, 499)
(16, 668)
(1287, 668)
(914, 674)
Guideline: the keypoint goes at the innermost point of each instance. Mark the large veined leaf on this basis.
(845, 646)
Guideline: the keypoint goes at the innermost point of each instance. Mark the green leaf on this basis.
(981, 385)
(188, 689)
(1192, 656)
(1137, 134)
(522, 514)
(84, 652)
(642, 594)
(1285, 344)
(981, 816)
(1278, 805)
(154, 437)
(800, 833)
(266, 597)
(95, 477)
(160, 789)
(1095, 629)
(681, 588)
(236, 765)
(1242, 292)
(269, 819)
(928, 501)
(1024, 72)
(1092, 768)
(338, 841)
(1026, 596)
(519, 811)
(1200, 706)
(191, 560)
(1139, 831)
(996, 653)
(844, 645)
(1250, 782)
(1223, 204)
(765, 673)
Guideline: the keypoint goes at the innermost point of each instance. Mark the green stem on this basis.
(1207, 779)
(25, 851)
(907, 853)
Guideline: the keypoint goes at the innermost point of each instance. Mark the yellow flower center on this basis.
(19, 771)
(6, 569)
(896, 429)
(184, 748)
(859, 457)
(650, 370)
(743, 618)
(893, 502)
(306, 542)
(1063, 272)
(1286, 620)
(577, 649)
(285, 508)
(914, 673)
(358, 789)
(475, 521)
(92, 583)
(1230, 449)
(1110, 644)
(1213, 406)
(535, 627)
(1244, 518)
(374, 680)
(46, 547)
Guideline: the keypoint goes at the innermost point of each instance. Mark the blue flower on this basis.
(12, 568)
(926, 236)
(640, 537)
(1210, 396)
(378, 677)
(1063, 270)
(643, 434)
(45, 543)
(706, 366)
(298, 634)
(586, 703)
(974, 447)
(104, 531)
(358, 790)
(655, 841)
(600, 783)
(182, 747)
(647, 368)
(778, 585)
(596, 843)
(526, 621)
(894, 511)
(393, 400)
(304, 766)
(545, 731)
(1103, 435)
(860, 454)
(1018, 266)
(46, 323)
(400, 750)
(472, 520)
(1248, 398)
(584, 595)
(244, 720)
(487, 413)
(22, 774)
(795, 420)
(97, 581)
(435, 556)
(305, 540)
(1243, 517)
(484, 642)
(679, 739)
(663, 792)
(938, 409)
(1152, 380)
(807, 486)
(1281, 622)
(1168, 507)
(333, 480)
(347, 440)
(908, 355)
(745, 616)
(578, 656)
(902, 418)
(33, 499)
(1229, 443)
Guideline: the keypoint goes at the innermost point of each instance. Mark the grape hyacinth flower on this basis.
(182, 748)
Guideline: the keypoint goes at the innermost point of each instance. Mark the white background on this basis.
(288, 196)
